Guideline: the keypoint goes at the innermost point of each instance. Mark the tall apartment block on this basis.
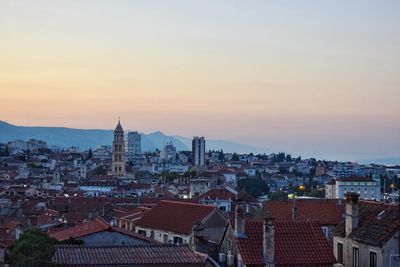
(198, 151)
(133, 145)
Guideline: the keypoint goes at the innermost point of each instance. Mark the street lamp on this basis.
(392, 187)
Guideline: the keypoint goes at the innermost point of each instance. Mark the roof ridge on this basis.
(186, 203)
(124, 246)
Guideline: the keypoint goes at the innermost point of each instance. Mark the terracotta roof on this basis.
(246, 197)
(326, 211)
(356, 179)
(297, 243)
(91, 227)
(178, 217)
(76, 255)
(135, 214)
(377, 223)
(218, 193)
(47, 216)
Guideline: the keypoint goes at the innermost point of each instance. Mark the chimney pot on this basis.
(269, 240)
(351, 211)
(239, 221)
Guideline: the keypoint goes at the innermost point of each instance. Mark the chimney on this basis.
(269, 241)
(351, 211)
(239, 221)
(294, 213)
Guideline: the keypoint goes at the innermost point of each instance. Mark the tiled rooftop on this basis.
(178, 217)
(76, 255)
(297, 243)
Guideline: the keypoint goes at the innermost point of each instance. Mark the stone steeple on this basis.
(118, 152)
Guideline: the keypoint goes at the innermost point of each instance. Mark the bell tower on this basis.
(118, 152)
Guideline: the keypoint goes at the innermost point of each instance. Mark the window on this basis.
(142, 232)
(222, 208)
(339, 253)
(325, 231)
(356, 257)
(178, 240)
(373, 261)
(165, 238)
(152, 234)
(229, 246)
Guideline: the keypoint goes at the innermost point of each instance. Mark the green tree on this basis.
(33, 249)
(100, 170)
(278, 195)
(235, 157)
(254, 186)
(221, 156)
(90, 154)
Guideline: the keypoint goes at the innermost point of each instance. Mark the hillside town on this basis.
(117, 205)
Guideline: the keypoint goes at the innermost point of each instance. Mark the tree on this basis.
(221, 156)
(90, 154)
(235, 157)
(278, 195)
(33, 249)
(100, 170)
(254, 186)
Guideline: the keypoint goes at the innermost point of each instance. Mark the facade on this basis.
(118, 164)
(366, 187)
(133, 145)
(198, 151)
(369, 235)
(176, 222)
(199, 186)
(168, 152)
(274, 243)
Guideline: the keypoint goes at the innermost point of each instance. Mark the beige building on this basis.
(369, 235)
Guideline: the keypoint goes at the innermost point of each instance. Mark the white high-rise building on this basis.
(198, 151)
(168, 152)
(118, 163)
(133, 145)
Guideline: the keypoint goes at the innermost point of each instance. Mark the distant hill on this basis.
(389, 161)
(226, 146)
(67, 137)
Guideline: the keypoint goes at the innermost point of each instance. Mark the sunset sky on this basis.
(313, 78)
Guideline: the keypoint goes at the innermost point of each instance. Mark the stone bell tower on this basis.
(118, 152)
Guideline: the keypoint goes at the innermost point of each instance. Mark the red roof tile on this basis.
(297, 243)
(91, 227)
(356, 179)
(178, 217)
(220, 193)
(377, 223)
(86, 228)
(326, 211)
(75, 255)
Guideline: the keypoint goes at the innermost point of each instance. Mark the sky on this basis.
(313, 78)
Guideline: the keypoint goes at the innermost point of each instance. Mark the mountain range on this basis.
(84, 139)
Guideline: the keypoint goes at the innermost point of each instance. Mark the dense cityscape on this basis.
(153, 133)
(198, 207)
